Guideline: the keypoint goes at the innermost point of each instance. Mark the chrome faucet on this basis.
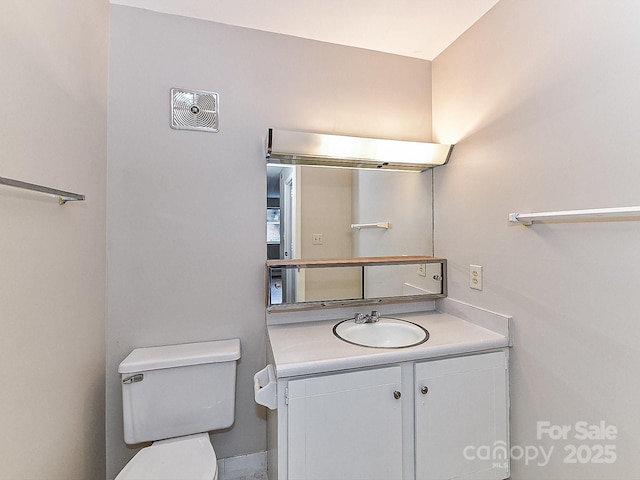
(362, 318)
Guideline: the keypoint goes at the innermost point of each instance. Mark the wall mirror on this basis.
(316, 213)
(321, 212)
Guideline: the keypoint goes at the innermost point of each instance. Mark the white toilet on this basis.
(172, 396)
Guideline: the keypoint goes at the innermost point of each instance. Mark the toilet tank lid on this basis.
(170, 356)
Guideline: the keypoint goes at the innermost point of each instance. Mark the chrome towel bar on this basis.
(528, 218)
(63, 197)
(360, 226)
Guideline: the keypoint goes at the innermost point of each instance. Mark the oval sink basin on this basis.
(385, 333)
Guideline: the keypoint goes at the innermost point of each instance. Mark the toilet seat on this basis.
(184, 458)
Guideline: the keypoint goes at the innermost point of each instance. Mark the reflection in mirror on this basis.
(298, 285)
(318, 208)
(333, 283)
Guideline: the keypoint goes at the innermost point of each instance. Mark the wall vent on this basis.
(194, 110)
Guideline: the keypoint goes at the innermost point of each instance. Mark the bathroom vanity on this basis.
(436, 410)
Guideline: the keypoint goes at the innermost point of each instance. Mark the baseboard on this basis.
(243, 467)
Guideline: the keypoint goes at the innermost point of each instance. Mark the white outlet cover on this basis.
(475, 277)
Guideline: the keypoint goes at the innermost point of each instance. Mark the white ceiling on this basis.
(413, 28)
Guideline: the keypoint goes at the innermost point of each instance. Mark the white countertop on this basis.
(311, 347)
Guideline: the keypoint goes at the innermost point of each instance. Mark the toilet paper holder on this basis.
(264, 387)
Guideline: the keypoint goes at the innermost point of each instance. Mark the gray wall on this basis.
(186, 210)
(53, 131)
(543, 102)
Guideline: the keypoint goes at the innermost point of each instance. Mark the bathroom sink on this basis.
(387, 332)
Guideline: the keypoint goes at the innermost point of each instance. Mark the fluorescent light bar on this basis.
(316, 149)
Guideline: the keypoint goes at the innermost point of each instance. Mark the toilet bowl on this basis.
(191, 457)
(172, 396)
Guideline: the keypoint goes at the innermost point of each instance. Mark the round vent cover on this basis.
(194, 110)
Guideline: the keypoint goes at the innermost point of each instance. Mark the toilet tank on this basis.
(177, 390)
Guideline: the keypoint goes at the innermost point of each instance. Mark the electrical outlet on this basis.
(422, 270)
(475, 277)
(317, 239)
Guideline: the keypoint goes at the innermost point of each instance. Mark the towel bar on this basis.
(63, 197)
(528, 218)
(360, 226)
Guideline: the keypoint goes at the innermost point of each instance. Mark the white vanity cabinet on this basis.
(345, 426)
(462, 418)
(409, 421)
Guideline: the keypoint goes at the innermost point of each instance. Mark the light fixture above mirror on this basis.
(316, 149)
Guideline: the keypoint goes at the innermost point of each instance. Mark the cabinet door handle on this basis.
(397, 394)
(424, 390)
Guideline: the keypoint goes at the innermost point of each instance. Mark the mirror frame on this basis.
(351, 262)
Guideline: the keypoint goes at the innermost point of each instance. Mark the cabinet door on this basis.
(345, 426)
(462, 420)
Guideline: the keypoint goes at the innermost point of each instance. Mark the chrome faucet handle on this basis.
(359, 318)
(375, 316)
